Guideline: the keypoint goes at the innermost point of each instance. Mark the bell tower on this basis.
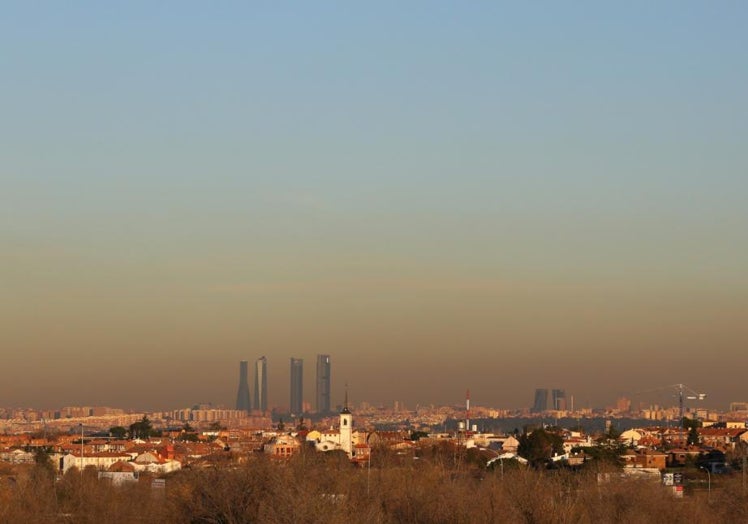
(346, 427)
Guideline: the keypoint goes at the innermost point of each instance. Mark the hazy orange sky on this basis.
(439, 196)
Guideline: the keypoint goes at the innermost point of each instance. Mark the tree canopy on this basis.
(539, 446)
(118, 432)
(141, 429)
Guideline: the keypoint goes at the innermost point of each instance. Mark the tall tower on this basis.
(242, 396)
(541, 400)
(297, 386)
(261, 384)
(346, 427)
(323, 384)
(559, 399)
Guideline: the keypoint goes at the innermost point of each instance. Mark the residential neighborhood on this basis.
(220, 439)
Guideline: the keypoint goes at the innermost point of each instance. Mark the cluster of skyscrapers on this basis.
(261, 386)
(322, 394)
(557, 397)
(322, 390)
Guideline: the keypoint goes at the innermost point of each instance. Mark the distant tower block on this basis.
(541, 401)
(242, 396)
(323, 384)
(297, 386)
(559, 399)
(261, 384)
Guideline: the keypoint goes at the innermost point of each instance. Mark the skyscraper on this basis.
(541, 400)
(323, 384)
(559, 399)
(242, 396)
(297, 386)
(261, 384)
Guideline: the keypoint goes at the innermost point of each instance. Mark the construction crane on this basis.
(683, 393)
(682, 396)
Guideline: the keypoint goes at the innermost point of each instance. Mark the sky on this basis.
(440, 195)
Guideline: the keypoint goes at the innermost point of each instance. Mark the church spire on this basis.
(345, 405)
(346, 427)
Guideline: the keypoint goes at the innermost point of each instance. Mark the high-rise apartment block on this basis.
(242, 396)
(261, 384)
(323, 384)
(297, 386)
(623, 404)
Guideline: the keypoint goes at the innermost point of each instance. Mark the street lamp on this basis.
(81, 425)
(368, 472)
(709, 482)
(744, 448)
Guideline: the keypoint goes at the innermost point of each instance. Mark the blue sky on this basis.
(522, 181)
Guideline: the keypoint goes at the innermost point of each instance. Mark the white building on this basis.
(343, 438)
(100, 461)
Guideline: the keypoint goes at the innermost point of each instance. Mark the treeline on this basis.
(438, 487)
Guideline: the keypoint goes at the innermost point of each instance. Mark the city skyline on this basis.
(440, 196)
(300, 396)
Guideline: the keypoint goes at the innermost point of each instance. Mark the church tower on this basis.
(346, 427)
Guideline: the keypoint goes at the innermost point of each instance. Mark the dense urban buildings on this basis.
(297, 386)
(261, 384)
(323, 384)
(642, 472)
(242, 395)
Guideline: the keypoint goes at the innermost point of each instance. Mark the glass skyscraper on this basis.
(242, 395)
(541, 401)
(322, 404)
(559, 399)
(261, 384)
(297, 386)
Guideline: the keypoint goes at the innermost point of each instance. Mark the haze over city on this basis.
(440, 196)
